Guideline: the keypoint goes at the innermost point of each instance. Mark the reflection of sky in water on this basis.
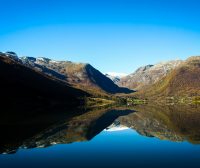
(124, 148)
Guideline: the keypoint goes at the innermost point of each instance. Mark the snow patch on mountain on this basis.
(117, 74)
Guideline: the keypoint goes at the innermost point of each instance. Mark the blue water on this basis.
(125, 148)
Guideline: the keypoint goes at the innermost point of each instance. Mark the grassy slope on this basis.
(181, 82)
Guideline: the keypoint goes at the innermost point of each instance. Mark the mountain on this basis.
(183, 81)
(81, 75)
(29, 89)
(115, 77)
(148, 75)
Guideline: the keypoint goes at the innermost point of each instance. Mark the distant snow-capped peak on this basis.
(116, 74)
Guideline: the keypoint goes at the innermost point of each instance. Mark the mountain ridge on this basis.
(174, 78)
(82, 75)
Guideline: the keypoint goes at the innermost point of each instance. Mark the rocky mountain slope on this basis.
(183, 81)
(148, 75)
(81, 75)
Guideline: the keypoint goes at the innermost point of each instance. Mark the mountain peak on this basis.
(11, 55)
(144, 68)
(43, 59)
(194, 60)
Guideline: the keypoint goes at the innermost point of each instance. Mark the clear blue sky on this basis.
(112, 35)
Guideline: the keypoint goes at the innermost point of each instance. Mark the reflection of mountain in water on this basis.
(174, 123)
(79, 128)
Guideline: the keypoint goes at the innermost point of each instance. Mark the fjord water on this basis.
(139, 136)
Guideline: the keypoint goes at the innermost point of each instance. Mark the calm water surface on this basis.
(161, 136)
